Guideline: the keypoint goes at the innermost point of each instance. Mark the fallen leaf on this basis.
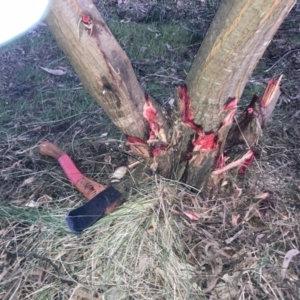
(191, 216)
(58, 72)
(234, 220)
(258, 238)
(18, 201)
(133, 164)
(32, 203)
(237, 192)
(154, 166)
(169, 47)
(262, 195)
(230, 289)
(28, 181)
(267, 202)
(286, 261)
(44, 199)
(252, 211)
(119, 173)
(152, 30)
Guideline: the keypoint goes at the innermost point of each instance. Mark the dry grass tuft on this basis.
(135, 252)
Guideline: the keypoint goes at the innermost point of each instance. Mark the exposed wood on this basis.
(248, 126)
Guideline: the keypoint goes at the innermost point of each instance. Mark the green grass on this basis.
(158, 52)
(149, 41)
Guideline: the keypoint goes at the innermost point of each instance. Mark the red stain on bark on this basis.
(206, 142)
(229, 118)
(186, 113)
(250, 110)
(158, 150)
(271, 90)
(135, 140)
(150, 114)
(221, 161)
(231, 104)
(185, 104)
(86, 18)
(203, 141)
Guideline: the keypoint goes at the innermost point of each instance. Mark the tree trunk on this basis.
(102, 66)
(236, 40)
(190, 147)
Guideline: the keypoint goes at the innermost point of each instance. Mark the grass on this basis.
(148, 248)
(137, 252)
(148, 43)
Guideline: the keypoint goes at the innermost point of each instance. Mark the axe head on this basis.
(87, 214)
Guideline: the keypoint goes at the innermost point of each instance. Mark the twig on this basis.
(229, 240)
(281, 58)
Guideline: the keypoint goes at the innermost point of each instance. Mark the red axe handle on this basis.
(87, 187)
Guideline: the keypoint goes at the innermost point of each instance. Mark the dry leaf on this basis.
(119, 173)
(152, 30)
(191, 216)
(58, 72)
(18, 201)
(28, 181)
(169, 47)
(134, 164)
(237, 192)
(286, 261)
(32, 203)
(154, 166)
(258, 238)
(44, 199)
(234, 220)
(262, 195)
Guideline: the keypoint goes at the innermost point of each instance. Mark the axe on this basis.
(102, 200)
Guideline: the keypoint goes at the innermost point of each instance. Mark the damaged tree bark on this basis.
(102, 66)
(188, 144)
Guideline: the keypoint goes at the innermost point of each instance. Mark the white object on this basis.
(18, 16)
(119, 173)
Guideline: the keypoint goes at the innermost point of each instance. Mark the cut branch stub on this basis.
(247, 128)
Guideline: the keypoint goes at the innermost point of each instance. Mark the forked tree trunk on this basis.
(191, 144)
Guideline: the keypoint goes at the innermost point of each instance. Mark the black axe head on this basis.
(87, 214)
